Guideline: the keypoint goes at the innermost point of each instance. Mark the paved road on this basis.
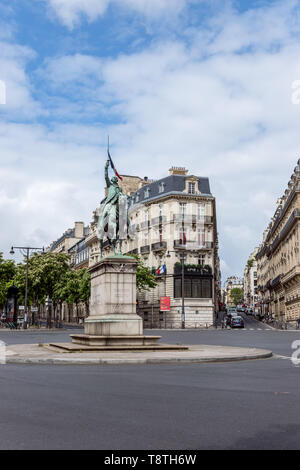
(245, 405)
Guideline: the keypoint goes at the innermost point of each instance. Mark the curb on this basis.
(110, 361)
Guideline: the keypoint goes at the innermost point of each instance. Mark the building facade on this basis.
(171, 218)
(278, 259)
(69, 238)
(231, 283)
(250, 281)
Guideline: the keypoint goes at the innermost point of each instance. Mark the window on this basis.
(160, 210)
(192, 188)
(201, 212)
(161, 187)
(193, 288)
(182, 236)
(201, 237)
(146, 193)
(137, 197)
(182, 208)
(201, 260)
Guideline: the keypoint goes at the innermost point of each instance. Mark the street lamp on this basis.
(25, 250)
(182, 258)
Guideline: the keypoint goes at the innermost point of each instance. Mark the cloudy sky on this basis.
(205, 84)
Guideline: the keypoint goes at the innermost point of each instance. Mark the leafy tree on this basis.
(44, 272)
(145, 280)
(7, 272)
(85, 286)
(250, 262)
(236, 295)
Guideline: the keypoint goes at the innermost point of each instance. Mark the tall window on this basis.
(201, 237)
(182, 236)
(182, 208)
(192, 188)
(160, 210)
(201, 212)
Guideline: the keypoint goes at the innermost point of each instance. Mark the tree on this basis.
(145, 280)
(45, 270)
(236, 295)
(7, 273)
(74, 287)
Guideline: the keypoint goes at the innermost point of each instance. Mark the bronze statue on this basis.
(113, 221)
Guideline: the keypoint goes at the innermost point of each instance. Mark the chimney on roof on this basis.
(79, 229)
(178, 170)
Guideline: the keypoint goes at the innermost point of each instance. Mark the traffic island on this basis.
(46, 354)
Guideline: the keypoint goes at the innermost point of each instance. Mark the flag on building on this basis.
(162, 269)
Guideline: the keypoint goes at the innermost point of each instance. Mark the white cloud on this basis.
(19, 101)
(222, 114)
(70, 12)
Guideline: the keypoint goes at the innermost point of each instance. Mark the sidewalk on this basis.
(43, 354)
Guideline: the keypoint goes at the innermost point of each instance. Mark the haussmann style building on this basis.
(171, 218)
(278, 258)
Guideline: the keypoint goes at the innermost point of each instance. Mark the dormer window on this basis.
(137, 197)
(147, 193)
(161, 187)
(192, 189)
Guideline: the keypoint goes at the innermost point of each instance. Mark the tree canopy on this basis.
(7, 273)
(236, 295)
(145, 280)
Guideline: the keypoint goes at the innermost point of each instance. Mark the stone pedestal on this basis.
(113, 319)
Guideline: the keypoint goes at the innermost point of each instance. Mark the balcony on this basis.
(162, 219)
(159, 246)
(192, 219)
(193, 270)
(145, 249)
(132, 252)
(192, 245)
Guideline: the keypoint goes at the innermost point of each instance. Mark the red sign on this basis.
(165, 304)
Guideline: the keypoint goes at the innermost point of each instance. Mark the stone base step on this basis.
(71, 347)
(134, 340)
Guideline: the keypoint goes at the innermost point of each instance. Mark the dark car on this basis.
(237, 322)
(229, 318)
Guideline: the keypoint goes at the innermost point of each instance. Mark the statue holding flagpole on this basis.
(113, 221)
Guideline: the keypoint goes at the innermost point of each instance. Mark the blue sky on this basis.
(195, 83)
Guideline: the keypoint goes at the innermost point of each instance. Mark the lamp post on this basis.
(182, 258)
(25, 250)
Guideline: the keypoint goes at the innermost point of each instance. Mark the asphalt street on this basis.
(242, 405)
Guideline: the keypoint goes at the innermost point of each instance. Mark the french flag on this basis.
(162, 269)
(113, 166)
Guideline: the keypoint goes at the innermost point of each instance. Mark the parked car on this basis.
(237, 322)
(229, 317)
